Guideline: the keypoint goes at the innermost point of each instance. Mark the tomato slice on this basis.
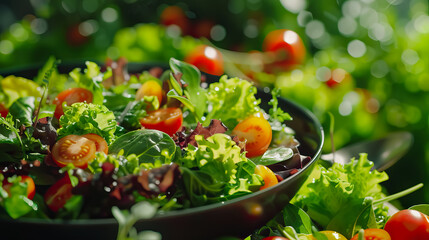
(31, 187)
(58, 194)
(74, 149)
(257, 133)
(168, 120)
(373, 234)
(3, 110)
(70, 96)
(150, 88)
(100, 143)
(269, 177)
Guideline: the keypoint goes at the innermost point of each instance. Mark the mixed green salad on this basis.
(75, 145)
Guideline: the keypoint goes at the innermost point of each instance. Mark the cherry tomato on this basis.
(70, 96)
(269, 177)
(168, 120)
(257, 133)
(408, 224)
(31, 187)
(150, 88)
(202, 28)
(75, 37)
(275, 238)
(287, 47)
(207, 59)
(174, 15)
(74, 149)
(373, 234)
(3, 110)
(100, 143)
(58, 194)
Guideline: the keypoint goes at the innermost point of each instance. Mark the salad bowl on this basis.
(237, 217)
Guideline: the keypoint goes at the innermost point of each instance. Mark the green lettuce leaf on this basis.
(328, 193)
(231, 100)
(83, 118)
(18, 87)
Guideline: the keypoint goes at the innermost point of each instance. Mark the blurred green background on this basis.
(379, 48)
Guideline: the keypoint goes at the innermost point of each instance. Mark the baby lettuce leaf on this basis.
(83, 118)
(151, 147)
(17, 87)
(22, 111)
(11, 145)
(195, 98)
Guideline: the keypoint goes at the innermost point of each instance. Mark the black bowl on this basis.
(238, 217)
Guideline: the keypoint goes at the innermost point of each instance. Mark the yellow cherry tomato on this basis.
(269, 177)
(150, 88)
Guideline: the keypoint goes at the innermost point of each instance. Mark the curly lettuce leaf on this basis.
(231, 100)
(83, 118)
(329, 192)
(18, 87)
(124, 165)
(220, 170)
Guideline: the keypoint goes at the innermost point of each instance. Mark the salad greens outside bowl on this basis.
(237, 217)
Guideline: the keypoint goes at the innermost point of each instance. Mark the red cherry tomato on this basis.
(58, 194)
(168, 120)
(74, 149)
(287, 48)
(75, 37)
(373, 234)
(408, 224)
(202, 29)
(3, 110)
(70, 96)
(257, 133)
(269, 177)
(174, 15)
(100, 143)
(275, 238)
(207, 59)
(31, 187)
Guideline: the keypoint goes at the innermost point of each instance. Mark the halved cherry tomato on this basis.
(168, 120)
(257, 133)
(100, 143)
(206, 59)
(374, 234)
(3, 110)
(174, 15)
(73, 149)
(408, 224)
(31, 187)
(150, 88)
(269, 177)
(58, 194)
(70, 96)
(287, 47)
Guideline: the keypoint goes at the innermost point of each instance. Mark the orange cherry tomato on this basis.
(287, 47)
(257, 133)
(206, 59)
(269, 177)
(70, 96)
(168, 120)
(3, 110)
(331, 235)
(58, 194)
(150, 88)
(374, 234)
(73, 149)
(100, 143)
(31, 187)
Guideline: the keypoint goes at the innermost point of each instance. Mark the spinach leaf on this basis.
(297, 218)
(273, 156)
(22, 111)
(423, 208)
(150, 146)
